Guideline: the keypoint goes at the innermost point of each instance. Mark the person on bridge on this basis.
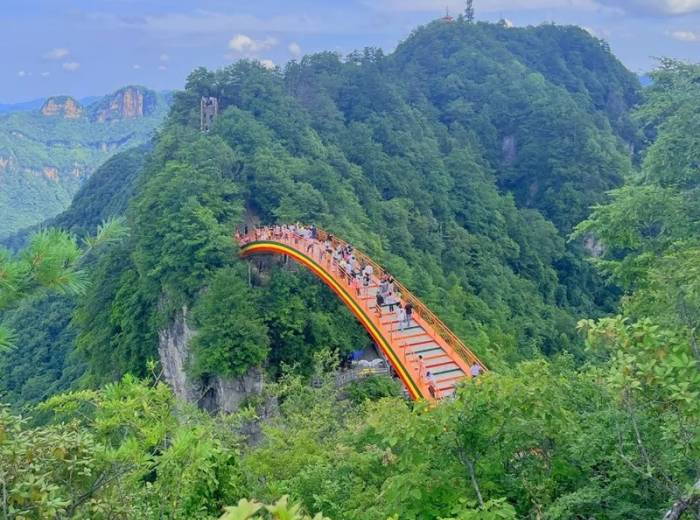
(355, 284)
(384, 286)
(431, 384)
(391, 301)
(401, 316)
(380, 302)
(409, 313)
(475, 370)
(421, 368)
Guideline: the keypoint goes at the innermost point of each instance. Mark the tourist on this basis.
(431, 384)
(401, 316)
(391, 301)
(380, 302)
(356, 282)
(384, 286)
(409, 313)
(421, 368)
(476, 369)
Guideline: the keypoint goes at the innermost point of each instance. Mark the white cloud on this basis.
(268, 64)
(71, 66)
(162, 67)
(136, 66)
(493, 6)
(45, 74)
(633, 7)
(56, 54)
(663, 7)
(294, 49)
(22, 73)
(686, 36)
(243, 44)
(164, 57)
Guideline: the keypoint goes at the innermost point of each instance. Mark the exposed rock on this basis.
(50, 173)
(509, 149)
(127, 103)
(216, 394)
(227, 394)
(63, 106)
(5, 163)
(593, 246)
(173, 344)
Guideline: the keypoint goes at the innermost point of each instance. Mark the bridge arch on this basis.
(428, 358)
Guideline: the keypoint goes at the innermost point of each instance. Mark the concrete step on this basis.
(448, 375)
(435, 361)
(425, 350)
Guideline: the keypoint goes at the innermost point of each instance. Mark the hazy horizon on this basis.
(84, 49)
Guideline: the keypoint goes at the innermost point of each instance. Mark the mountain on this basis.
(518, 180)
(46, 154)
(457, 162)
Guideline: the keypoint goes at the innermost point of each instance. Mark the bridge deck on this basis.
(443, 354)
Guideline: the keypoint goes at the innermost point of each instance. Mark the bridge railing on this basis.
(418, 306)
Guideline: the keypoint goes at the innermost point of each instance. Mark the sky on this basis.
(93, 47)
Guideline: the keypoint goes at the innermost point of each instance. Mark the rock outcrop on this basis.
(215, 394)
(62, 106)
(173, 344)
(126, 103)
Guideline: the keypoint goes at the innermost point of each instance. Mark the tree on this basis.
(51, 261)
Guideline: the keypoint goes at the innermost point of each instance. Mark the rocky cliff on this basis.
(127, 103)
(216, 394)
(62, 106)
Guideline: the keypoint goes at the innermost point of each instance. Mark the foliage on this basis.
(459, 161)
(372, 388)
(280, 509)
(126, 451)
(231, 336)
(650, 237)
(401, 154)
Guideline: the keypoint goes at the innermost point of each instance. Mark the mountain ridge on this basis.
(47, 153)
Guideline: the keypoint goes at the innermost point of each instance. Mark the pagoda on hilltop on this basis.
(447, 18)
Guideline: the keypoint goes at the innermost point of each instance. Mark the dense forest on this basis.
(519, 180)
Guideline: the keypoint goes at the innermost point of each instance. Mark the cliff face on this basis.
(216, 394)
(63, 106)
(127, 103)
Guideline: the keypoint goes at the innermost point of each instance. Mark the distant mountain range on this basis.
(49, 147)
(36, 104)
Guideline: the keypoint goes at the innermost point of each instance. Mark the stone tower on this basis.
(209, 109)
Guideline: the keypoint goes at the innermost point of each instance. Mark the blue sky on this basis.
(91, 47)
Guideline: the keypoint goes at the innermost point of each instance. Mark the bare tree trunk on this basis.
(475, 484)
(680, 506)
(469, 463)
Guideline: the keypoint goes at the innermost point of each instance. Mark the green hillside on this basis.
(519, 181)
(46, 154)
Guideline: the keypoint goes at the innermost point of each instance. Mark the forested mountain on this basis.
(46, 154)
(475, 162)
